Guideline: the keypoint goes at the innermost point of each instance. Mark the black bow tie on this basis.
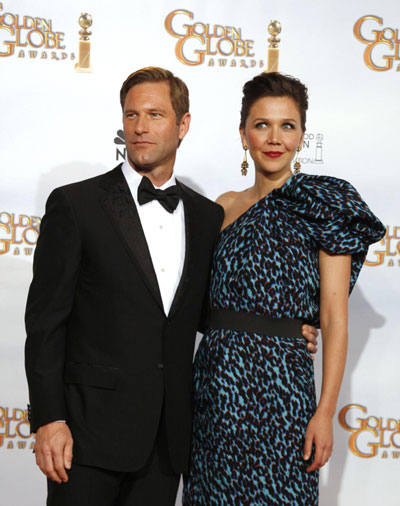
(168, 198)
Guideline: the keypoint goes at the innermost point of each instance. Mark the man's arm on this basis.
(311, 334)
(50, 300)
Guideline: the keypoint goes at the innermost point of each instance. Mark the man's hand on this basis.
(53, 450)
(311, 334)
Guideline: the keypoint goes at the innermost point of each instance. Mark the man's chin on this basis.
(141, 165)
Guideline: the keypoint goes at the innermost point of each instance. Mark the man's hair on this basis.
(178, 90)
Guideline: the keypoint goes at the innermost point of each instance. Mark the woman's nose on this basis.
(274, 136)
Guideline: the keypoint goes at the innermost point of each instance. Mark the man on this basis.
(120, 273)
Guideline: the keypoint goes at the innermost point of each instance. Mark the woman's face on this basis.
(272, 133)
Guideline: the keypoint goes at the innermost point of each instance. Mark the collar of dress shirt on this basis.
(133, 179)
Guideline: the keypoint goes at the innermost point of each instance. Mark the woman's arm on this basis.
(335, 278)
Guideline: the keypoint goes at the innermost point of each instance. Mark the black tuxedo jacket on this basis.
(100, 351)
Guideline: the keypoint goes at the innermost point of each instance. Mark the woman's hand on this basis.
(320, 433)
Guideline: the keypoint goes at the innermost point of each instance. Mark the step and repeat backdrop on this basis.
(62, 65)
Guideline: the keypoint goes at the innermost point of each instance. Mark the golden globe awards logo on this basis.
(18, 233)
(371, 436)
(15, 429)
(214, 45)
(383, 43)
(30, 37)
(386, 251)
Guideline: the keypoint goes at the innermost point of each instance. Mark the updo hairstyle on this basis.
(274, 84)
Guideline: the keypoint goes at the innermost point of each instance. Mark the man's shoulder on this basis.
(85, 185)
(201, 199)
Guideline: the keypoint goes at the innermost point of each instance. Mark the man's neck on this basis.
(158, 176)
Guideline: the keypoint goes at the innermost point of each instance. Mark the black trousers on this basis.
(154, 485)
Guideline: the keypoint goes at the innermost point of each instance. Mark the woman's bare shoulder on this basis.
(228, 199)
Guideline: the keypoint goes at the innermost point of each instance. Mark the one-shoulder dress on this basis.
(254, 394)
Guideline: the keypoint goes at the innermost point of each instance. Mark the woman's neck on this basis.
(264, 184)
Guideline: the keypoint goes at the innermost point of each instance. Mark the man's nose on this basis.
(141, 125)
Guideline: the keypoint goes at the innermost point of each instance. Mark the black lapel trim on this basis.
(120, 208)
(189, 241)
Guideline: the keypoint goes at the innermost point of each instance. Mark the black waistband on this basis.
(253, 323)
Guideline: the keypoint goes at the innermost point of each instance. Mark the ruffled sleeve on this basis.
(333, 214)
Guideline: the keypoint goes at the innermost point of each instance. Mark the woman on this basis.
(290, 250)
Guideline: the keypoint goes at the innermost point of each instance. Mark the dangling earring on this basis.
(245, 165)
(297, 164)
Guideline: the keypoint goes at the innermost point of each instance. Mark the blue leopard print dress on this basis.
(254, 394)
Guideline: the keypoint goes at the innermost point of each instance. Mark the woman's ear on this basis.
(243, 137)
(301, 140)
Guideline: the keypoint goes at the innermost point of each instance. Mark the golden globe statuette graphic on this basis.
(274, 29)
(318, 149)
(85, 21)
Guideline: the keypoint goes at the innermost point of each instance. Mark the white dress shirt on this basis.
(165, 236)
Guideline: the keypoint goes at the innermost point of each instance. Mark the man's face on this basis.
(151, 133)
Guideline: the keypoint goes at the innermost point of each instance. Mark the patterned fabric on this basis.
(254, 394)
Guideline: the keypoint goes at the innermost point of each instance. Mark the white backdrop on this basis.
(59, 126)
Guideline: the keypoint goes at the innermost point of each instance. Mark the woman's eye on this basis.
(288, 126)
(261, 124)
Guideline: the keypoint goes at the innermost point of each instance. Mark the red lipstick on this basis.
(273, 154)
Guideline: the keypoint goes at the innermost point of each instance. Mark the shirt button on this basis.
(160, 366)
(162, 269)
(161, 227)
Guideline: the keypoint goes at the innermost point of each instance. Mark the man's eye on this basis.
(155, 114)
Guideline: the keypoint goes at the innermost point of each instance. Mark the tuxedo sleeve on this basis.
(206, 301)
(50, 301)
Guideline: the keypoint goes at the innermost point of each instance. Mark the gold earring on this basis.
(297, 164)
(245, 165)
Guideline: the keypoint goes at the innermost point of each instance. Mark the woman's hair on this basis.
(178, 91)
(274, 84)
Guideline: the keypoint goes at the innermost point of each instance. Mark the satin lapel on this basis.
(120, 208)
(189, 241)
